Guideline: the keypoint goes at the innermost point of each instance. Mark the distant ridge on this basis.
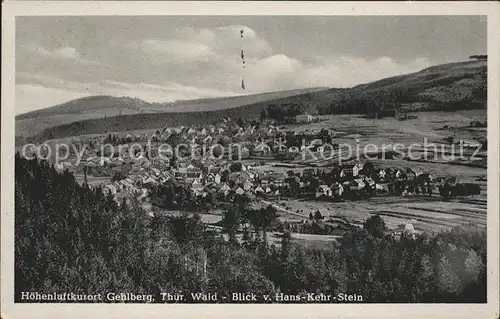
(100, 102)
(443, 87)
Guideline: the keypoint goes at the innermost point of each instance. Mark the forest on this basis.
(72, 238)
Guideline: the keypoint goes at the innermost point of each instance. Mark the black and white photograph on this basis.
(251, 158)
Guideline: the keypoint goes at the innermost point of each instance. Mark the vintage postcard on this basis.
(250, 159)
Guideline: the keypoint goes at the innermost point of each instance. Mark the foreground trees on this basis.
(72, 238)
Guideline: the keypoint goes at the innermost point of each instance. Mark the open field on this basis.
(388, 130)
(430, 214)
(387, 133)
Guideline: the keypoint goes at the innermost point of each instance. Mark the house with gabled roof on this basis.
(213, 178)
(262, 149)
(259, 190)
(224, 189)
(247, 185)
(238, 190)
(323, 190)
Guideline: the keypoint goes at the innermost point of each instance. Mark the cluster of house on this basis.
(202, 175)
(238, 143)
(227, 131)
(221, 177)
(200, 180)
(365, 177)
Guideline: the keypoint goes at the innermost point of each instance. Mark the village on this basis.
(261, 162)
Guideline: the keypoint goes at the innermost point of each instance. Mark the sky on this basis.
(167, 58)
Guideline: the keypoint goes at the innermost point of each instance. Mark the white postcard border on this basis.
(28, 8)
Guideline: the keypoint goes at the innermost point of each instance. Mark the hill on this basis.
(131, 122)
(95, 107)
(449, 86)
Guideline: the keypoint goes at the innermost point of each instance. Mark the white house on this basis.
(240, 191)
(224, 189)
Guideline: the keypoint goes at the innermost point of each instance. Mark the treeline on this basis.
(479, 57)
(281, 113)
(70, 238)
(378, 103)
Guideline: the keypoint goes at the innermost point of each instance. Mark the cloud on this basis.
(61, 53)
(174, 51)
(349, 71)
(272, 73)
(186, 45)
(67, 53)
(266, 70)
(201, 35)
(192, 63)
(281, 72)
(229, 42)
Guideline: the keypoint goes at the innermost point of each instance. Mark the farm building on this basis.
(304, 118)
